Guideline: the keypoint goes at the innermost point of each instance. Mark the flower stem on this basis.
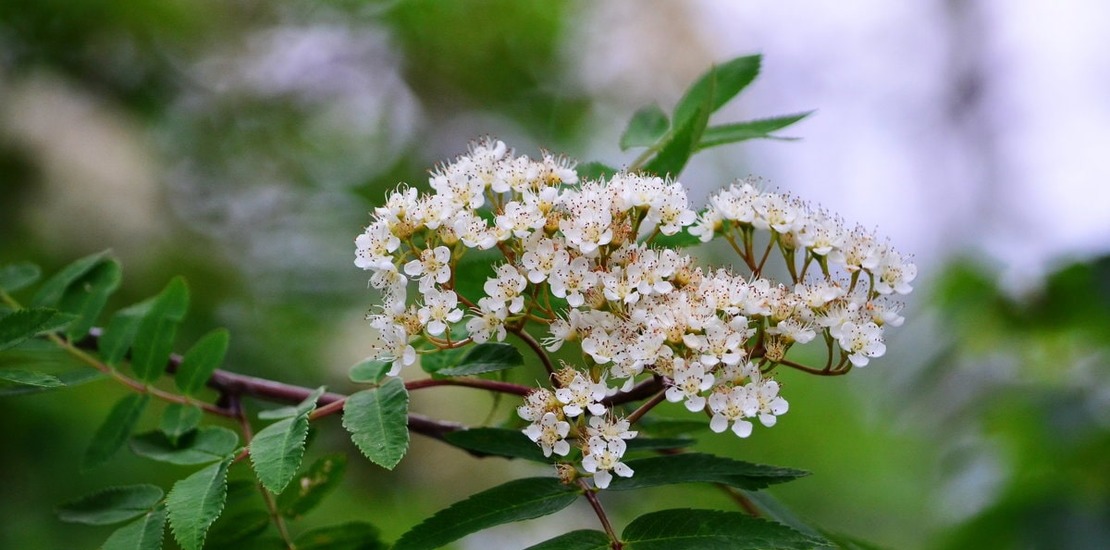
(536, 347)
(591, 496)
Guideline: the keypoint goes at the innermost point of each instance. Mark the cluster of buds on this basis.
(581, 260)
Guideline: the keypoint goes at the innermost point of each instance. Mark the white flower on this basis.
(440, 309)
(433, 266)
(489, 322)
(721, 343)
(610, 430)
(572, 280)
(540, 260)
(582, 394)
(793, 330)
(775, 211)
(550, 433)
(737, 203)
(601, 346)
(473, 231)
(588, 224)
(520, 218)
(603, 458)
(396, 348)
(536, 404)
(689, 381)
(732, 405)
(506, 287)
(769, 404)
(860, 251)
(375, 246)
(862, 342)
(895, 273)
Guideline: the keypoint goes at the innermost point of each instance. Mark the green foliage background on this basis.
(986, 426)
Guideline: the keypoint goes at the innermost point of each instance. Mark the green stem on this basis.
(271, 505)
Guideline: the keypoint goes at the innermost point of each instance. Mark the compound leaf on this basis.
(195, 502)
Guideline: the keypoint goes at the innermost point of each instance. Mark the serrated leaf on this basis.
(144, 533)
(583, 539)
(321, 478)
(86, 296)
(276, 452)
(30, 378)
(52, 290)
(111, 505)
(195, 502)
(487, 357)
(355, 535)
(498, 442)
(681, 144)
(204, 445)
(114, 431)
(120, 332)
(155, 334)
(752, 129)
(370, 371)
(198, 364)
(702, 468)
(595, 171)
(179, 419)
(716, 87)
(22, 324)
(516, 500)
(680, 529)
(378, 422)
(646, 127)
(17, 276)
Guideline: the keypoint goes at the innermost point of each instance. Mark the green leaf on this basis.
(370, 371)
(113, 433)
(22, 324)
(111, 505)
(232, 529)
(277, 450)
(770, 508)
(716, 87)
(595, 171)
(516, 500)
(432, 363)
(583, 539)
(17, 276)
(699, 467)
(50, 293)
(646, 127)
(321, 478)
(144, 533)
(655, 444)
(120, 332)
(204, 445)
(195, 502)
(86, 296)
(30, 378)
(487, 357)
(679, 529)
(179, 419)
(682, 144)
(305, 407)
(68, 378)
(355, 535)
(201, 361)
(378, 422)
(752, 129)
(498, 442)
(154, 337)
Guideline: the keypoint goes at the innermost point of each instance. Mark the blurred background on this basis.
(242, 144)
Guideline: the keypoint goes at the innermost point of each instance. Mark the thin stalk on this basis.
(536, 347)
(491, 385)
(267, 496)
(591, 496)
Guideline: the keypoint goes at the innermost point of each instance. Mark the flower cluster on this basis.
(587, 261)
